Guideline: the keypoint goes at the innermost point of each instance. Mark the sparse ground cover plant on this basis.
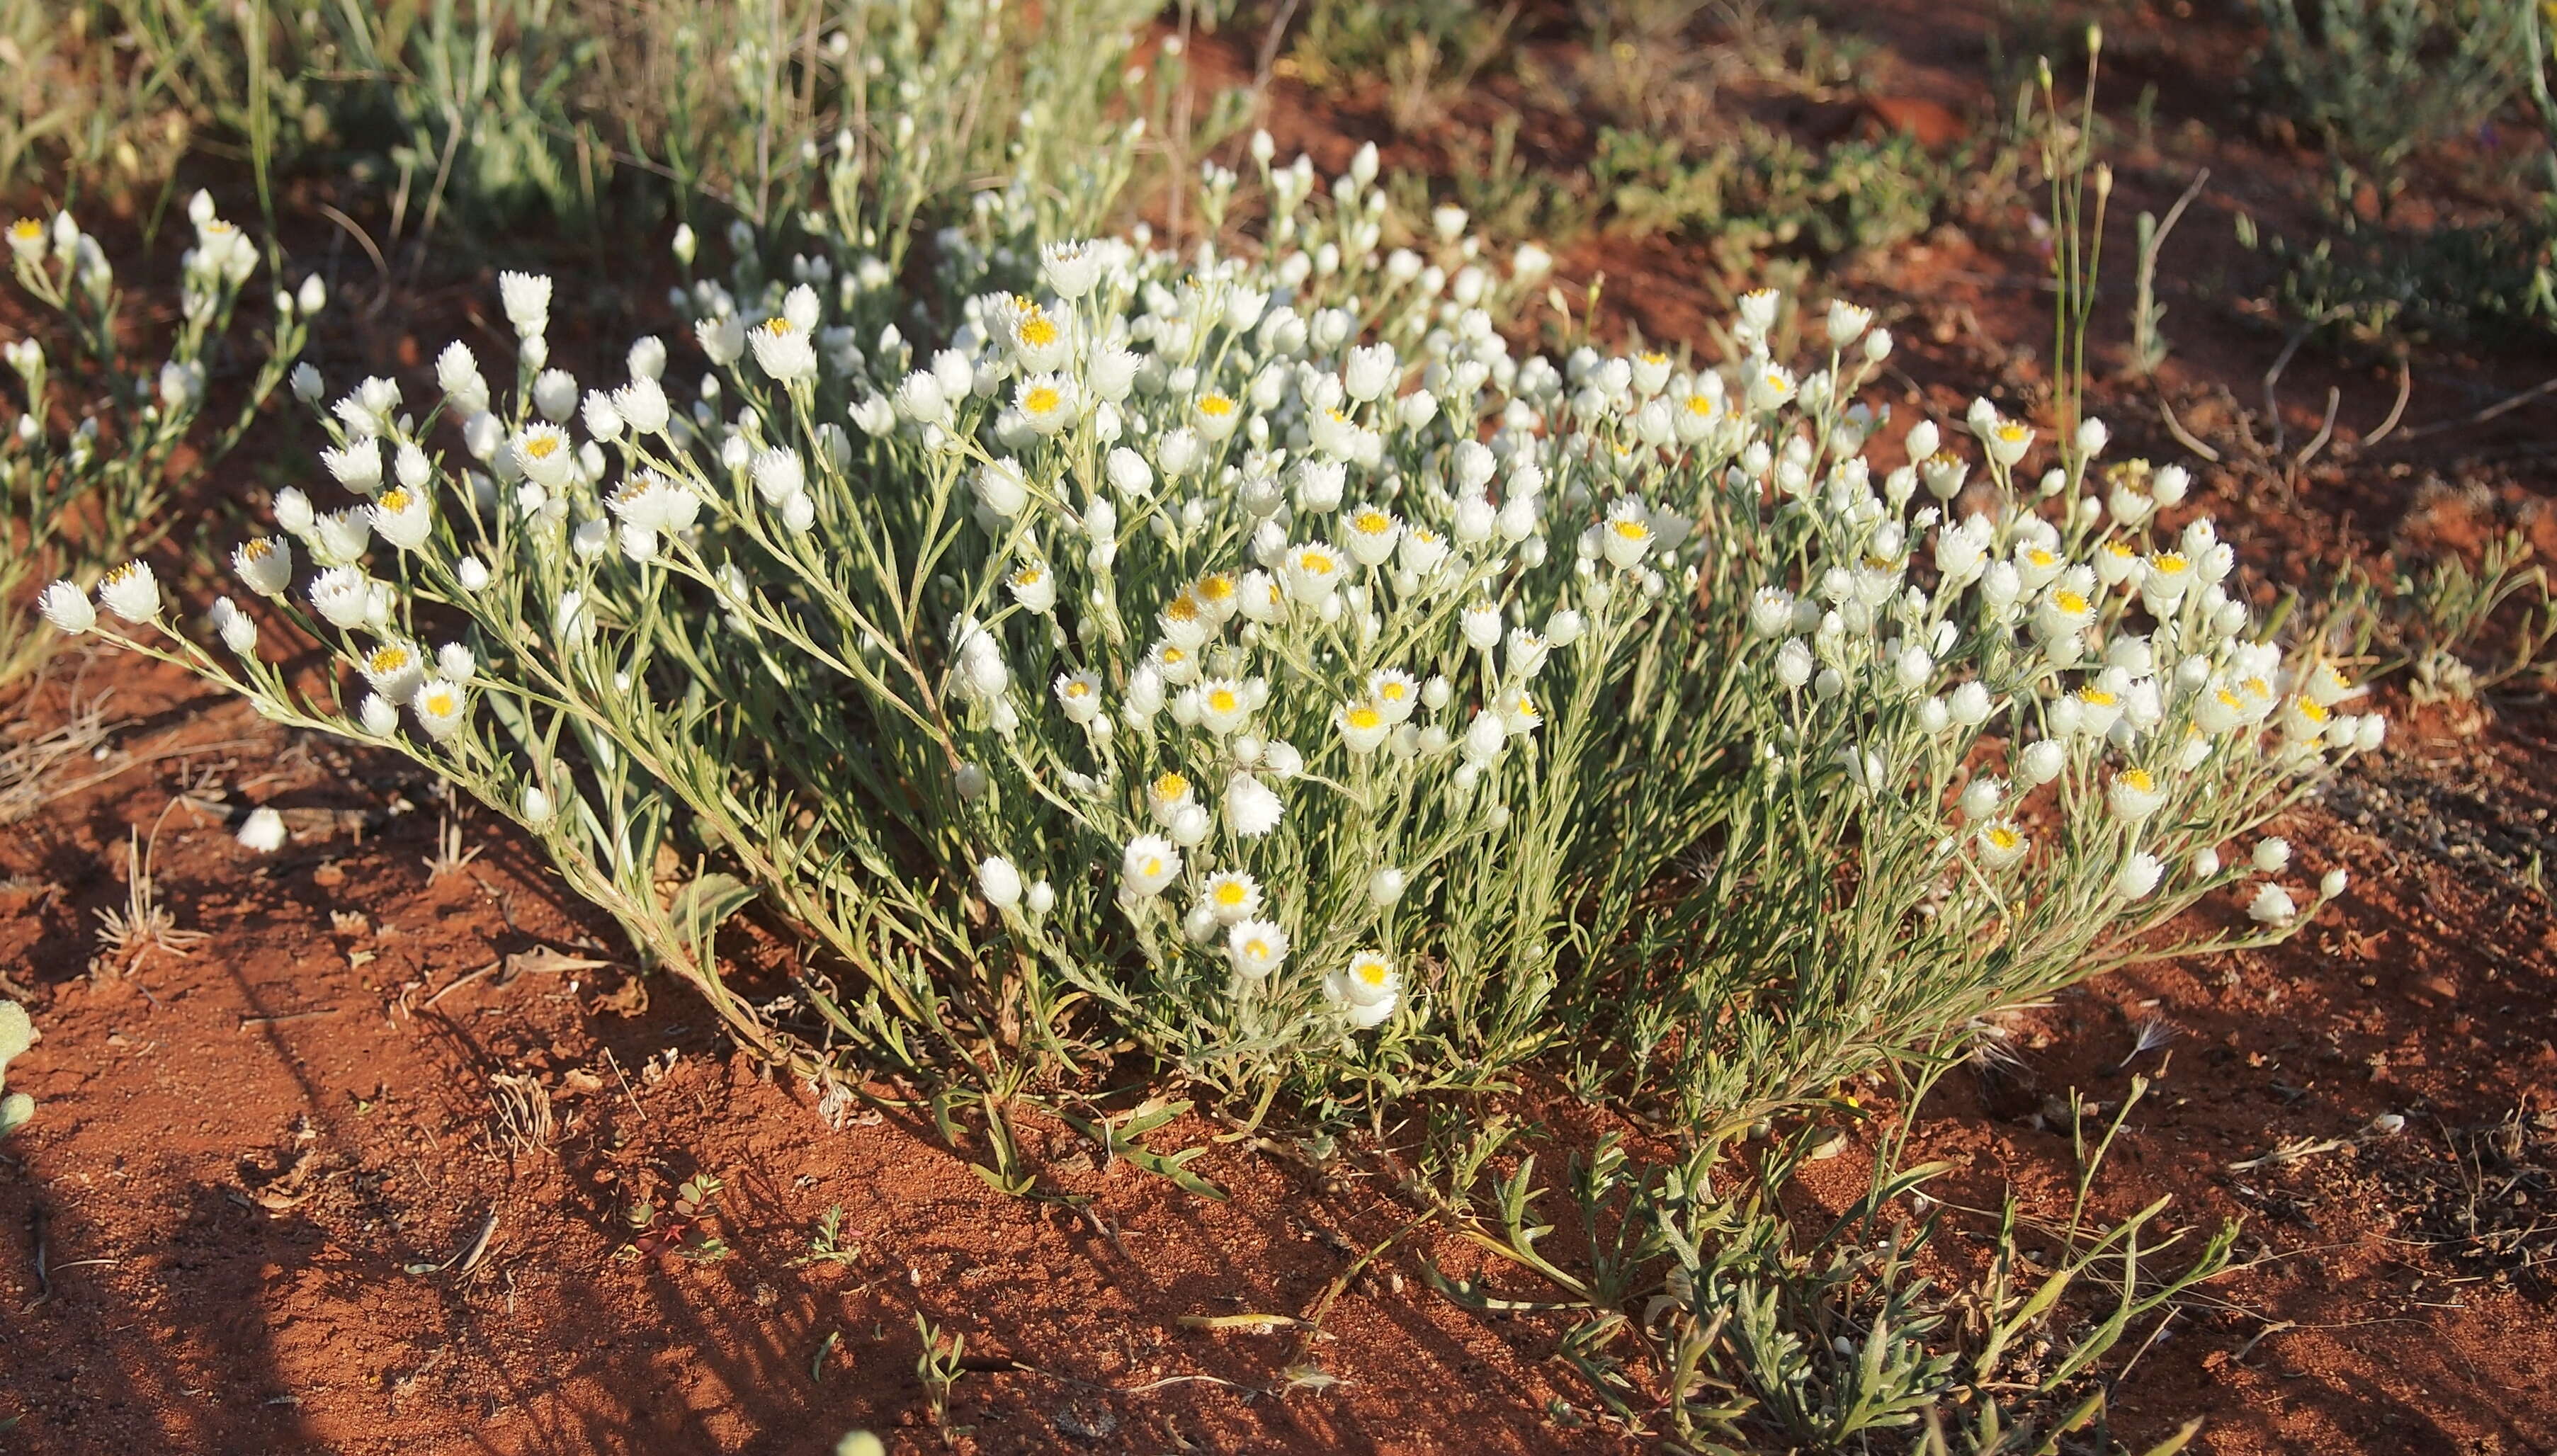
(601, 118)
(103, 437)
(17, 1033)
(1702, 1312)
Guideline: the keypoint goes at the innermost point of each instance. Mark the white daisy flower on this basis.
(1372, 534)
(1250, 807)
(1224, 705)
(1257, 947)
(402, 518)
(68, 608)
(1149, 863)
(394, 669)
(2139, 875)
(1230, 896)
(2272, 905)
(2000, 843)
(1079, 695)
(2134, 795)
(1363, 725)
(783, 351)
(1313, 572)
(1033, 586)
(546, 456)
(999, 882)
(441, 708)
(1047, 402)
(131, 592)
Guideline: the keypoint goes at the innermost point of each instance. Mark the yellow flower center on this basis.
(542, 447)
(1216, 587)
(2312, 712)
(1028, 575)
(2095, 698)
(1230, 893)
(1632, 530)
(2069, 602)
(1776, 380)
(257, 550)
(1078, 689)
(123, 573)
(1150, 867)
(1372, 523)
(1184, 608)
(1700, 406)
(1257, 949)
(1215, 406)
(2012, 433)
(2138, 780)
(1370, 972)
(2003, 837)
(1394, 691)
(1042, 401)
(396, 499)
(389, 659)
(1223, 699)
(1174, 657)
(777, 328)
(1654, 358)
(1364, 717)
(441, 703)
(1171, 786)
(1317, 563)
(2257, 688)
(2170, 562)
(1037, 330)
(26, 229)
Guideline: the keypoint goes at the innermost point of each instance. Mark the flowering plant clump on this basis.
(78, 497)
(1255, 662)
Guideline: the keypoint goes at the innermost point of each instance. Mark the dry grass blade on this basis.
(143, 924)
(449, 855)
(29, 776)
(519, 1114)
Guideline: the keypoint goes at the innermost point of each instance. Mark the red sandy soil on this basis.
(246, 1217)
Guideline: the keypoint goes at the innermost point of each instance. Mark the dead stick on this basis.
(277, 1021)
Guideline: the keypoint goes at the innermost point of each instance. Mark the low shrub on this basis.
(1251, 663)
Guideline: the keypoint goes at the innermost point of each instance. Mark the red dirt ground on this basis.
(244, 1217)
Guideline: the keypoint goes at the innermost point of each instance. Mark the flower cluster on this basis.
(1262, 651)
(77, 503)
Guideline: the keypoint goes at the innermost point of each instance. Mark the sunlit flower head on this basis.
(1215, 415)
(131, 592)
(1224, 703)
(2134, 794)
(1256, 948)
(1231, 895)
(1047, 402)
(441, 708)
(1371, 534)
(1149, 863)
(1363, 727)
(1078, 694)
(2000, 843)
(1168, 794)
